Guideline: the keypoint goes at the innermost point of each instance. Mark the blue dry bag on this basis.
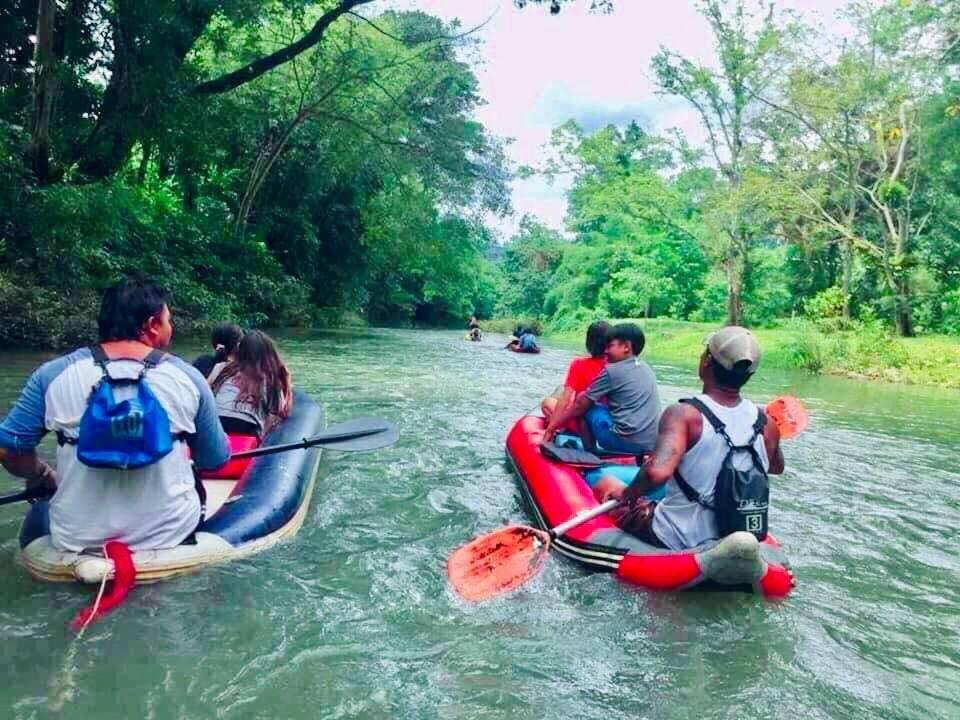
(124, 435)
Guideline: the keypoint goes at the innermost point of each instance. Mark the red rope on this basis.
(124, 575)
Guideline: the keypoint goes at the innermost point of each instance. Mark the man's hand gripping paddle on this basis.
(503, 560)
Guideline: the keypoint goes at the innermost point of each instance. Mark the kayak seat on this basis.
(234, 468)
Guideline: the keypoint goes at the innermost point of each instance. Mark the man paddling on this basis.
(694, 441)
(130, 480)
(628, 422)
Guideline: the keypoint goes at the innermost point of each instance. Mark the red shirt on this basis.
(583, 371)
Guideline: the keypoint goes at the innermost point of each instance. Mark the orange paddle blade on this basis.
(498, 562)
(789, 414)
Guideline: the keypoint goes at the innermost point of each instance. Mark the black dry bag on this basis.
(741, 496)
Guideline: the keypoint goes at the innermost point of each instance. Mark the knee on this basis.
(548, 405)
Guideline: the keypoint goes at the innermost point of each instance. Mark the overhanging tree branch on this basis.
(258, 67)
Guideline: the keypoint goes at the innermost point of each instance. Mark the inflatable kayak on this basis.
(251, 505)
(556, 491)
(535, 350)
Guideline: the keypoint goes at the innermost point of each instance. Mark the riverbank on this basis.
(868, 352)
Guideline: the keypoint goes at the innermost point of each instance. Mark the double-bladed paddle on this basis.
(361, 434)
(503, 560)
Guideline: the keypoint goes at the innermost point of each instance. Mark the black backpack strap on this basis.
(688, 490)
(761, 421)
(707, 413)
(154, 358)
(99, 357)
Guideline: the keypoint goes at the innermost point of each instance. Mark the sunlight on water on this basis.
(353, 619)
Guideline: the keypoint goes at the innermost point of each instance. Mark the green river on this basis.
(353, 618)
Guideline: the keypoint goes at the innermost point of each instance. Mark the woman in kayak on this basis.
(581, 372)
(224, 339)
(253, 391)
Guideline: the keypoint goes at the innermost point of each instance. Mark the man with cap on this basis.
(689, 447)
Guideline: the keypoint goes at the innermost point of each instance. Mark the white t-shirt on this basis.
(148, 508)
(681, 523)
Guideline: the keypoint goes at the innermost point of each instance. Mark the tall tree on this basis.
(748, 44)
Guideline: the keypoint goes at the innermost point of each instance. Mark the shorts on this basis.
(637, 519)
(600, 422)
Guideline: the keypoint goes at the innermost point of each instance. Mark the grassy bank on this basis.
(868, 351)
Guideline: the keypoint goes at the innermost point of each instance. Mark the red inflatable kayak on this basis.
(556, 492)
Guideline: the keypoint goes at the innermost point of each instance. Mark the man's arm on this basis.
(209, 445)
(771, 438)
(21, 431)
(674, 435)
(575, 409)
(31, 468)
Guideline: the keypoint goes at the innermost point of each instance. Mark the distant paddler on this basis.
(474, 333)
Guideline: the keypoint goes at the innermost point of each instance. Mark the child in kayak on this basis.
(581, 373)
(628, 422)
(254, 390)
(224, 339)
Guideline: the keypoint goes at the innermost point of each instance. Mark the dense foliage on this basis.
(274, 162)
(827, 187)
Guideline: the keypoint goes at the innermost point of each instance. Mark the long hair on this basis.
(225, 339)
(597, 338)
(263, 379)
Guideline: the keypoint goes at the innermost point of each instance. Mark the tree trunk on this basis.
(734, 270)
(44, 90)
(903, 310)
(846, 270)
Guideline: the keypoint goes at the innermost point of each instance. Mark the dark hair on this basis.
(597, 338)
(225, 339)
(732, 379)
(519, 331)
(127, 305)
(263, 379)
(628, 332)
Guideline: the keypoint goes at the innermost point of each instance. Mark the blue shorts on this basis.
(625, 474)
(600, 422)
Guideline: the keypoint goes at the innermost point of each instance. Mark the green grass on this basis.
(867, 352)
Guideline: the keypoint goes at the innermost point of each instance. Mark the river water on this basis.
(353, 619)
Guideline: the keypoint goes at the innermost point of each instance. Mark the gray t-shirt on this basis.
(631, 391)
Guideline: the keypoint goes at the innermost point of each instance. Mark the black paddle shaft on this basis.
(357, 435)
(322, 439)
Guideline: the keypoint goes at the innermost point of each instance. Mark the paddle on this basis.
(505, 559)
(361, 434)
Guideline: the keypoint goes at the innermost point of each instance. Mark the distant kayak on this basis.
(556, 491)
(251, 505)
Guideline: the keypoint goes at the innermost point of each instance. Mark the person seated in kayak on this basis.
(145, 407)
(690, 452)
(581, 372)
(253, 391)
(523, 340)
(628, 422)
(224, 339)
(473, 323)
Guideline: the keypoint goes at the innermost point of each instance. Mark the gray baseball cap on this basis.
(734, 344)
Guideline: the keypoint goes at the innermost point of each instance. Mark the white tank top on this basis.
(681, 523)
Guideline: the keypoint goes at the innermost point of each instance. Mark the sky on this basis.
(538, 70)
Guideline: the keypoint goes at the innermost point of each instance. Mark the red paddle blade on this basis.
(789, 414)
(498, 562)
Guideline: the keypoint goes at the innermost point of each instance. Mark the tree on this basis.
(749, 49)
